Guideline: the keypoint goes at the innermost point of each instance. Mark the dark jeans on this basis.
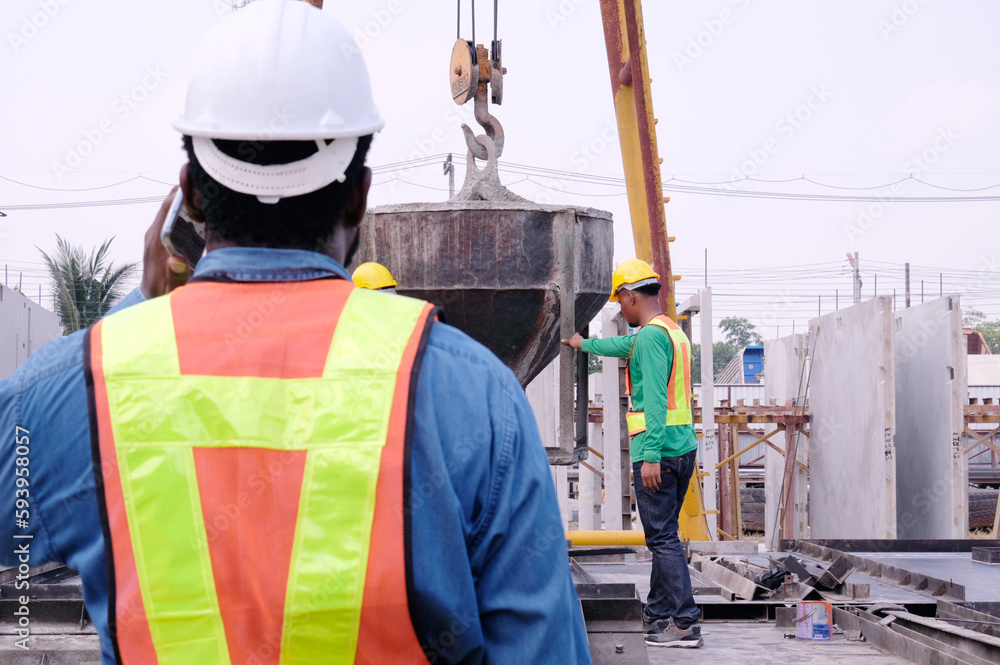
(670, 582)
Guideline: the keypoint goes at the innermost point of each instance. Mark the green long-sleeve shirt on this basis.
(650, 370)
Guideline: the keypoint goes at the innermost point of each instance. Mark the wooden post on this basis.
(736, 511)
(725, 506)
(786, 513)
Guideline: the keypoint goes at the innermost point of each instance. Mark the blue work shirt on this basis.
(490, 569)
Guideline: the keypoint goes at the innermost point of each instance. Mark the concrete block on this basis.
(784, 379)
(852, 400)
(931, 467)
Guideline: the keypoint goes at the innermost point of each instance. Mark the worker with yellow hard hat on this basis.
(374, 276)
(663, 444)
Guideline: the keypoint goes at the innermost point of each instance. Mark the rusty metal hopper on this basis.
(503, 272)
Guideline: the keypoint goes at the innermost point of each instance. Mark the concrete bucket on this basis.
(506, 273)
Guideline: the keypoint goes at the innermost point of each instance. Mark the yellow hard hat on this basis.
(373, 276)
(632, 271)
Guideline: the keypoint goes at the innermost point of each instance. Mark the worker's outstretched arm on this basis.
(612, 347)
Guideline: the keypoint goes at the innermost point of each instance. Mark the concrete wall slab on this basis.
(931, 467)
(784, 379)
(852, 461)
(25, 327)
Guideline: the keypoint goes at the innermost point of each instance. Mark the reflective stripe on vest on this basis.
(678, 385)
(251, 451)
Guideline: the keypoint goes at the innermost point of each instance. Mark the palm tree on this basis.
(85, 288)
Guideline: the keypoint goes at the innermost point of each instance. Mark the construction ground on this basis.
(887, 509)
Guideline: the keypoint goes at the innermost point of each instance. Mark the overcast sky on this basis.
(851, 94)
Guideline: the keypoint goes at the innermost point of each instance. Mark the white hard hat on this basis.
(279, 70)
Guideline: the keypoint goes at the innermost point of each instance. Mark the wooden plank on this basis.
(734, 478)
(786, 517)
(985, 440)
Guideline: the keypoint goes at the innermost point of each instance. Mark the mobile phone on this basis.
(181, 235)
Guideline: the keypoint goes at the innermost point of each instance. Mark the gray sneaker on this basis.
(672, 636)
(651, 625)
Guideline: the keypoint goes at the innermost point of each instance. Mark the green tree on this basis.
(972, 318)
(740, 332)
(85, 287)
(722, 353)
(990, 330)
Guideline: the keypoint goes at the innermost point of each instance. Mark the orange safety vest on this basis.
(251, 448)
(678, 385)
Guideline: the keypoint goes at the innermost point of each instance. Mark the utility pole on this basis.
(449, 170)
(907, 284)
(819, 305)
(836, 300)
(941, 284)
(921, 292)
(856, 264)
(706, 267)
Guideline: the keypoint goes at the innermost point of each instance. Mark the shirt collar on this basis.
(263, 264)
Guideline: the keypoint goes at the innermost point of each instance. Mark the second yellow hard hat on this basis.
(630, 272)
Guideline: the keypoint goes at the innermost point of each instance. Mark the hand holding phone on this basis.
(164, 266)
(181, 235)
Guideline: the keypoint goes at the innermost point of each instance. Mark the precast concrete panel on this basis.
(931, 467)
(852, 454)
(784, 379)
(25, 327)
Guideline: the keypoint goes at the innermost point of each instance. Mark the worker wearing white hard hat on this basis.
(268, 464)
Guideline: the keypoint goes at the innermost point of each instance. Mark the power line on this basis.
(714, 188)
